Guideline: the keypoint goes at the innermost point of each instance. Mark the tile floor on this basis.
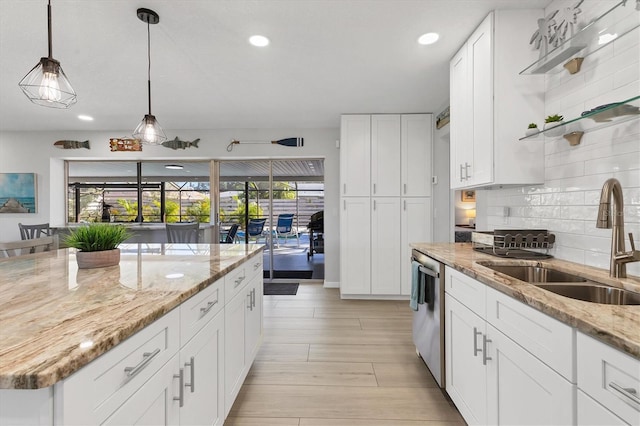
(326, 361)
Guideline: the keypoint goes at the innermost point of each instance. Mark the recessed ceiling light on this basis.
(258, 40)
(174, 167)
(428, 38)
(85, 117)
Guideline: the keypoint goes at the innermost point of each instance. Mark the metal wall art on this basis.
(67, 144)
(125, 144)
(180, 144)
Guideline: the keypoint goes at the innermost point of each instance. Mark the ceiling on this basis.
(326, 57)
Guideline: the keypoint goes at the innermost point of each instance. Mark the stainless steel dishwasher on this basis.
(428, 320)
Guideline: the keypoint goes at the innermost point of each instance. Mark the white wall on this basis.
(27, 152)
(567, 203)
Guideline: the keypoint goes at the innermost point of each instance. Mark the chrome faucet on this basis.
(619, 257)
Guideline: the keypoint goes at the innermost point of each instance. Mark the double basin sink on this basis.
(566, 284)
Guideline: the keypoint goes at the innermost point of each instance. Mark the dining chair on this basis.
(183, 232)
(34, 245)
(29, 232)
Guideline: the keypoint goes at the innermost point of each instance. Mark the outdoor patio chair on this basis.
(183, 232)
(231, 235)
(284, 229)
(29, 232)
(33, 245)
(255, 229)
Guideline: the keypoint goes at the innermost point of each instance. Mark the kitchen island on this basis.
(58, 322)
(516, 353)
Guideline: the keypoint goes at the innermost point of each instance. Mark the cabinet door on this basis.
(355, 246)
(203, 362)
(481, 70)
(416, 136)
(234, 346)
(415, 224)
(465, 371)
(461, 144)
(385, 155)
(590, 413)
(385, 246)
(355, 155)
(153, 403)
(523, 390)
(253, 320)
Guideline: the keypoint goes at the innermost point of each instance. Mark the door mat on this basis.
(281, 289)
(300, 275)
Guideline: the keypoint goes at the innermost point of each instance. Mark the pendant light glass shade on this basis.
(149, 131)
(46, 84)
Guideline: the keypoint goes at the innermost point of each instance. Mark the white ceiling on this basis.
(326, 57)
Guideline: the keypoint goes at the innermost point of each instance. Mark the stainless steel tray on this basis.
(511, 243)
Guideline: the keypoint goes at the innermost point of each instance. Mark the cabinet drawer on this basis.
(609, 376)
(548, 339)
(590, 413)
(235, 280)
(467, 290)
(98, 389)
(199, 309)
(254, 266)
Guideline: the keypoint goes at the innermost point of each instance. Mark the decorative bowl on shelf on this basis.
(556, 128)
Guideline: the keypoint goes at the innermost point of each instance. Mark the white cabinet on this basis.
(377, 224)
(591, 413)
(355, 245)
(492, 105)
(243, 330)
(610, 377)
(491, 376)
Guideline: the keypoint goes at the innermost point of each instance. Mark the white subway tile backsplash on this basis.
(567, 203)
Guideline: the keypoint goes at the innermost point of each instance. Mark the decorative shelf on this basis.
(611, 114)
(612, 25)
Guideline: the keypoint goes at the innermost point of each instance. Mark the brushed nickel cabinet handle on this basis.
(192, 369)
(485, 358)
(180, 396)
(476, 333)
(629, 393)
(205, 311)
(146, 359)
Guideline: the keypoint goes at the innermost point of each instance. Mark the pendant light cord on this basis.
(49, 26)
(149, 62)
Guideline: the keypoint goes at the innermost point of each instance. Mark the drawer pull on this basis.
(146, 359)
(476, 333)
(249, 306)
(253, 298)
(180, 396)
(630, 393)
(256, 266)
(239, 281)
(485, 358)
(192, 367)
(210, 305)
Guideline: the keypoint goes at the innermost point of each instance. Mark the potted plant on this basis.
(532, 129)
(553, 121)
(97, 244)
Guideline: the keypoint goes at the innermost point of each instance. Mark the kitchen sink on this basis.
(535, 274)
(568, 285)
(594, 292)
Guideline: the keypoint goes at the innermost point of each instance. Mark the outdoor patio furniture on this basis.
(254, 228)
(26, 246)
(284, 229)
(183, 232)
(230, 235)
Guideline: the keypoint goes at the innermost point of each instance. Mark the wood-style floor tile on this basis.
(311, 323)
(405, 374)
(312, 373)
(261, 421)
(373, 422)
(403, 324)
(285, 352)
(343, 402)
(361, 312)
(342, 337)
(362, 353)
(318, 302)
(273, 311)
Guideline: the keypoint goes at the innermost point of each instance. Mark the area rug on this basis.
(300, 275)
(280, 289)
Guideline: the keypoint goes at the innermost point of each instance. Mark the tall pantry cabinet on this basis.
(492, 104)
(385, 177)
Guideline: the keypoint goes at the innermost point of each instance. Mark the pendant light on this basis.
(149, 131)
(46, 84)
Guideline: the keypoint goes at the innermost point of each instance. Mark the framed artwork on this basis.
(17, 192)
(468, 196)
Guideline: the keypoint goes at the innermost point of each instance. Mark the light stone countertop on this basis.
(55, 319)
(618, 326)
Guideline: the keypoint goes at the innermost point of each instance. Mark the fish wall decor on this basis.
(180, 144)
(125, 144)
(66, 144)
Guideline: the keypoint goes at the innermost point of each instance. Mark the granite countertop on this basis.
(616, 325)
(54, 318)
